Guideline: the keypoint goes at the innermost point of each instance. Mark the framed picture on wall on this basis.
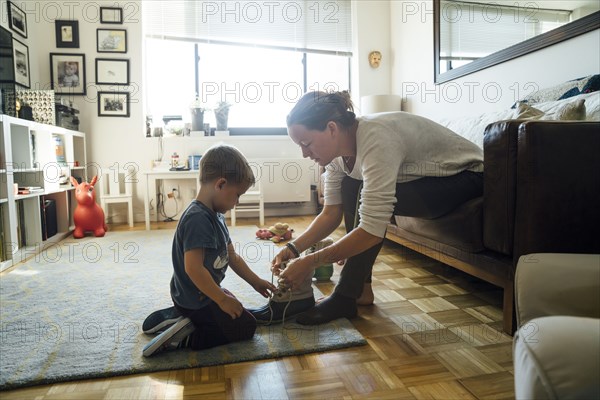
(113, 104)
(67, 34)
(7, 71)
(111, 40)
(17, 19)
(111, 15)
(21, 57)
(67, 73)
(112, 71)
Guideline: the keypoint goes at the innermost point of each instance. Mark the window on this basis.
(327, 72)
(260, 61)
(169, 80)
(262, 84)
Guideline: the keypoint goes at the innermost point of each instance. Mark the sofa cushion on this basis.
(557, 358)
(570, 286)
(462, 228)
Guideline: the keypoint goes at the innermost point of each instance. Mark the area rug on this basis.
(75, 311)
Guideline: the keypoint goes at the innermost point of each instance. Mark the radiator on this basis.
(285, 180)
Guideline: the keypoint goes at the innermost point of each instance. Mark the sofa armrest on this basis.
(540, 181)
(548, 284)
(557, 188)
(499, 189)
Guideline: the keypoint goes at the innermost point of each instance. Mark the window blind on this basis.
(474, 30)
(319, 26)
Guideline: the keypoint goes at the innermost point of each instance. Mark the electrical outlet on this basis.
(175, 193)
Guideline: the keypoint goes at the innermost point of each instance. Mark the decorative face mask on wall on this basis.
(374, 59)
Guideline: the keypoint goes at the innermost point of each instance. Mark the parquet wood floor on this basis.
(433, 333)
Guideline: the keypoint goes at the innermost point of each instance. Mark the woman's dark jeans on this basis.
(427, 198)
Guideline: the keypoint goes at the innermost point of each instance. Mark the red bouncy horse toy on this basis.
(88, 216)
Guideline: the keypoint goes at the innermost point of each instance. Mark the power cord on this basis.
(160, 206)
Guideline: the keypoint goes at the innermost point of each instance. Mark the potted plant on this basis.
(222, 114)
(197, 115)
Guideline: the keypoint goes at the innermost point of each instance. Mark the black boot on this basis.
(279, 310)
(334, 307)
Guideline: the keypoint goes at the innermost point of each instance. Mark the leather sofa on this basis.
(541, 194)
(556, 350)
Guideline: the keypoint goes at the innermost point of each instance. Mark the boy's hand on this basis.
(230, 305)
(264, 287)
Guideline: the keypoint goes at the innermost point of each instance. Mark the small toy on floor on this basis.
(323, 272)
(88, 215)
(275, 233)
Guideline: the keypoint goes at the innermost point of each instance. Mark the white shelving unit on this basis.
(36, 155)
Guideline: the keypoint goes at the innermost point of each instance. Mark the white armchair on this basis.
(557, 346)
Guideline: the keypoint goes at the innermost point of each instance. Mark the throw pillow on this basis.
(571, 111)
(574, 111)
(527, 112)
(564, 90)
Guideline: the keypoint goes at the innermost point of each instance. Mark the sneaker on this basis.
(160, 320)
(274, 312)
(170, 339)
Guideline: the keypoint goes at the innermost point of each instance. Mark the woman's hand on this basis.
(230, 305)
(284, 255)
(264, 287)
(296, 271)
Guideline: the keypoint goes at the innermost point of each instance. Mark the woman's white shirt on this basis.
(393, 148)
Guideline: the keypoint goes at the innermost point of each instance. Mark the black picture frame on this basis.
(111, 15)
(111, 40)
(21, 63)
(67, 34)
(17, 19)
(7, 71)
(113, 104)
(68, 73)
(112, 71)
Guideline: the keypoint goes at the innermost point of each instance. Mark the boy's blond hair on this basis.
(225, 161)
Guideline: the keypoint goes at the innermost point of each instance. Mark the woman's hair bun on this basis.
(315, 109)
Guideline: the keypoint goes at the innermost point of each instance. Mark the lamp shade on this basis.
(378, 103)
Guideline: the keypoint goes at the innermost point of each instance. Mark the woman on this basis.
(381, 165)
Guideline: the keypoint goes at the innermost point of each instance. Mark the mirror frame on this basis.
(567, 31)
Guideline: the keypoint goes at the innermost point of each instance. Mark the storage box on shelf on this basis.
(36, 199)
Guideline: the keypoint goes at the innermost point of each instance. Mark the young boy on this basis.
(205, 314)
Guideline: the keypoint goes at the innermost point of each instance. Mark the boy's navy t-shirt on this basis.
(199, 227)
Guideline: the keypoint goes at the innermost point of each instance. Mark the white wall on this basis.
(370, 32)
(122, 140)
(109, 139)
(401, 30)
(494, 88)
